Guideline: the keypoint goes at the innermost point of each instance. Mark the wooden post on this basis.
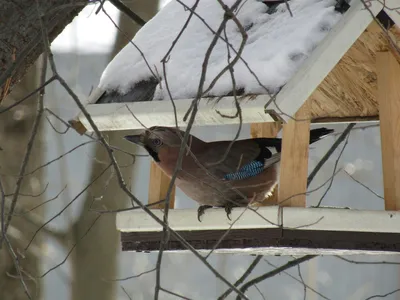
(267, 130)
(294, 160)
(158, 187)
(388, 76)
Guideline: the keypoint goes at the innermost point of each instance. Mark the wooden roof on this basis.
(337, 83)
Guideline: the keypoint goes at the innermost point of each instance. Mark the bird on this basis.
(222, 174)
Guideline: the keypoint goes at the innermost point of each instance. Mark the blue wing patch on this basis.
(252, 169)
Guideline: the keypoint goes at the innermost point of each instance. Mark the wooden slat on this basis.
(389, 106)
(270, 129)
(294, 160)
(158, 187)
(267, 130)
(136, 115)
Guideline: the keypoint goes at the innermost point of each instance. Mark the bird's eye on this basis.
(157, 142)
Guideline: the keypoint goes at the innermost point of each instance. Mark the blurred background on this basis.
(88, 264)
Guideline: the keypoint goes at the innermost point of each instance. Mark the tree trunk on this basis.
(96, 256)
(15, 130)
(20, 34)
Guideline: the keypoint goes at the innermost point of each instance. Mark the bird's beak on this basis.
(136, 139)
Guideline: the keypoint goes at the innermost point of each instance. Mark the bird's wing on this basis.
(246, 158)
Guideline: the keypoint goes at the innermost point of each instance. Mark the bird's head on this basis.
(157, 139)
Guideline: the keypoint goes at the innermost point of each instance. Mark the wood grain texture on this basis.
(294, 160)
(389, 104)
(158, 187)
(266, 130)
(350, 88)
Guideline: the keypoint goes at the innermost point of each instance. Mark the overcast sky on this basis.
(89, 32)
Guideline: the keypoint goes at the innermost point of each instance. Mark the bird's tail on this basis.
(319, 133)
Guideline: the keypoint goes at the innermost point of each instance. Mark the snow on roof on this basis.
(276, 47)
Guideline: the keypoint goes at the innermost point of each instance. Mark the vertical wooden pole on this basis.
(158, 187)
(294, 160)
(267, 130)
(388, 75)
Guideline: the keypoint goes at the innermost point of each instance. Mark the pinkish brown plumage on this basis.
(213, 176)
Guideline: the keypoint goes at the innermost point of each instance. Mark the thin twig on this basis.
(328, 154)
(126, 293)
(299, 281)
(68, 204)
(133, 276)
(272, 273)
(243, 277)
(365, 186)
(334, 170)
(72, 248)
(126, 10)
(383, 295)
(367, 262)
(174, 294)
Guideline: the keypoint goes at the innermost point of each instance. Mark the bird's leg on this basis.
(201, 209)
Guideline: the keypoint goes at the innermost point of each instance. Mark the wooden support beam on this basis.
(267, 130)
(388, 71)
(158, 187)
(294, 160)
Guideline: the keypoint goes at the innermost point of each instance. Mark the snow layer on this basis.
(277, 45)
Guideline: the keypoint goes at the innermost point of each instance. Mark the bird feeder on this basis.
(353, 75)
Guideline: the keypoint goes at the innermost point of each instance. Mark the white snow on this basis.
(277, 45)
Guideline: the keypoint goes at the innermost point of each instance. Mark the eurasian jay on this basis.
(213, 176)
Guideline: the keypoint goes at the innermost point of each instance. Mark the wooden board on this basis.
(294, 160)
(158, 187)
(349, 91)
(266, 130)
(137, 115)
(389, 102)
(311, 218)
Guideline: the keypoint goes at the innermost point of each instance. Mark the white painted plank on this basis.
(116, 116)
(186, 219)
(336, 219)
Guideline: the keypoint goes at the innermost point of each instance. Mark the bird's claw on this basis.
(228, 210)
(201, 209)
